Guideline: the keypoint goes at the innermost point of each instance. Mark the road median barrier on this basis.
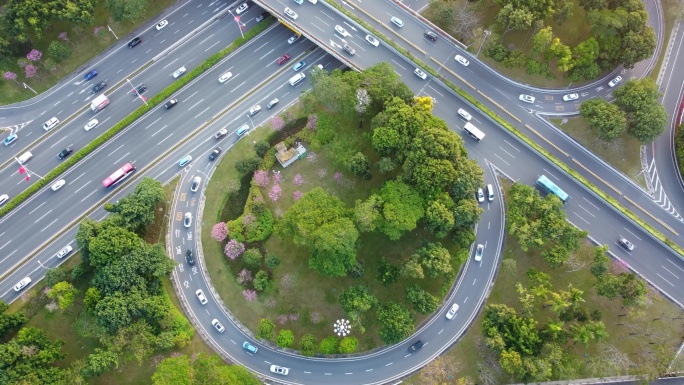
(139, 112)
(522, 137)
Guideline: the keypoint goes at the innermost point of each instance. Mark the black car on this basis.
(65, 153)
(134, 42)
(417, 345)
(99, 86)
(170, 103)
(430, 35)
(139, 90)
(214, 154)
(189, 257)
(262, 16)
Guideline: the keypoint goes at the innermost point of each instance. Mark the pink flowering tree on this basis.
(322, 173)
(282, 319)
(277, 123)
(296, 195)
(248, 219)
(10, 76)
(298, 180)
(234, 249)
(250, 295)
(312, 157)
(277, 178)
(245, 276)
(219, 232)
(339, 178)
(22, 62)
(31, 71)
(293, 317)
(34, 55)
(63, 36)
(311, 122)
(261, 178)
(275, 192)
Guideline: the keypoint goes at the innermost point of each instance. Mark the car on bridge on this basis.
(291, 14)
(241, 8)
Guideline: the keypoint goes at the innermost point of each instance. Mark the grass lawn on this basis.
(85, 45)
(293, 279)
(623, 154)
(74, 326)
(647, 335)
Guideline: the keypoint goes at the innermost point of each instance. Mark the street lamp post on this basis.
(237, 20)
(112, 31)
(342, 327)
(483, 41)
(137, 93)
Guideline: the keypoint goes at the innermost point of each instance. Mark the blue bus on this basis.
(550, 188)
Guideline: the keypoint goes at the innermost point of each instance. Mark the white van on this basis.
(242, 130)
(25, 157)
(297, 79)
(50, 123)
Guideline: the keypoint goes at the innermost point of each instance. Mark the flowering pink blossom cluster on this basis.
(234, 249)
(34, 55)
(298, 180)
(277, 123)
(97, 30)
(63, 36)
(322, 173)
(311, 123)
(245, 276)
(293, 317)
(275, 192)
(339, 178)
(297, 195)
(219, 232)
(10, 75)
(250, 295)
(30, 71)
(261, 178)
(282, 319)
(312, 157)
(277, 178)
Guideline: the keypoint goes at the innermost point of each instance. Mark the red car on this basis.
(283, 59)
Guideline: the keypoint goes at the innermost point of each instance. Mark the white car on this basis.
(478, 252)
(480, 195)
(179, 72)
(254, 110)
(462, 60)
(64, 252)
(50, 123)
(196, 181)
(241, 8)
(419, 72)
(300, 2)
(201, 297)
(341, 31)
(626, 244)
(162, 24)
(452, 312)
(91, 124)
(615, 82)
(397, 21)
(4, 198)
(373, 41)
(225, 77)
(294, 38)
(187, 221)
(570, 97)
(464, 114)
(218, 325)
(279, 370)
(22, 284)
(58, 185)
(526, 98)
(291, 14)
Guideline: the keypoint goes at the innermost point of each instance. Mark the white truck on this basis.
(99, 103)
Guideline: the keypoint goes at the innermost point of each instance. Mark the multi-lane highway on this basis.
(33, 223)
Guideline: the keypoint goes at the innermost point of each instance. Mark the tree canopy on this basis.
(204, 369)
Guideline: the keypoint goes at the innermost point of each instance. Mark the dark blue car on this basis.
(90, 75)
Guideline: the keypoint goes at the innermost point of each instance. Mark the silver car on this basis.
(478, 252)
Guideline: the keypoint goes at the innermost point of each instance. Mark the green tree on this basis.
(601, 262)
(469, 177)
(285, 338)
(435, 259)
(467, 213)
(541, 40)
(25, 18)
(503, 330)
(252, 257)
(608, 286)
(386, 165)
(92, 297)
(87, 230)
(631, 289)
(585, 53)
(29, 358)
(554, 330)
(359, 165)
(127, 10)
(422, 301)
(384, 84)
(64, 293)
(438, 217)
(271, 260)
(54, 275)
(647, 125)
(266, 327)
(357, 299)
(367, 215)
(100, 362)
(333, 248)
(512, 363)
(261, 148)
(396, 322)
(309, 213)
(136, 210)
(248, 166)
(514, 19)
(307, 344)
(329, 345)
(636, 95)
(412, 267)
(563, 11)
(331, 93)
(604, 118)
(10, 322)
(173, 370)
(388, 273)
(110, 244)
(401, 210)
(348, 345)
(637, 46)
(59, 50)
(562, 52)
(261, 281)
(75, 11)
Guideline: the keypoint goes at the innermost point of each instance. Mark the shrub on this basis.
(266, 327)
(359, 165)
(272, 261)
(386, 165)
(387, 272)
(329, 345)
(422, 301)
(307, 344)
(252, 257)
(348, 345)
(261, 148)
(248, 166)
(285, 338)
(249, 295)
(55, 275)
(59, 50)
(497, 52)
(261, 281)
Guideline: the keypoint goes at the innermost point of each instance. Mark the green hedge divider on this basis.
(140, 111)
(628, 213)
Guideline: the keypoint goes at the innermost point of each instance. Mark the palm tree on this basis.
(558, 303)
(580, 333)
(574, 296)
(598, 330)
(554, 329)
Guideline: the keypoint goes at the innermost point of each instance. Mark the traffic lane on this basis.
(54, 102)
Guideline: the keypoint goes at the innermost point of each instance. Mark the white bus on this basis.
(297, 79)
(473, 131)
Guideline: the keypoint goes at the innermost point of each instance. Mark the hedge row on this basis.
(140, 111)
(515, 131)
